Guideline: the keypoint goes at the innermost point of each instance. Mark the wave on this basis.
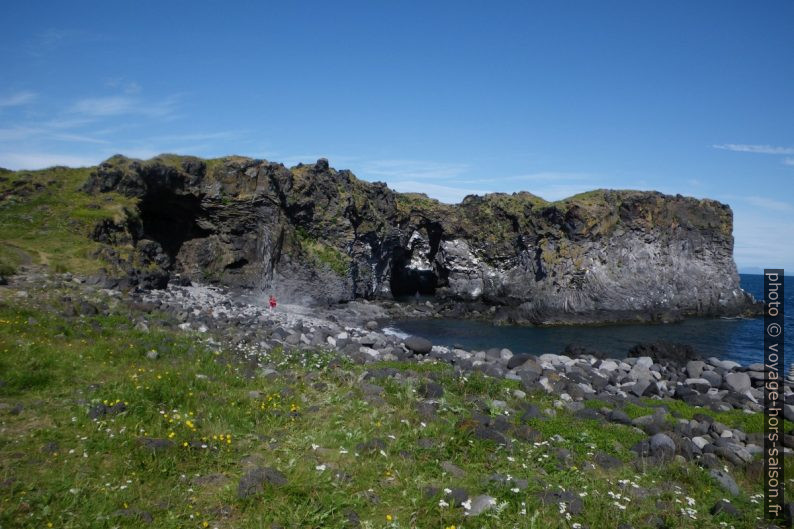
(393, 331)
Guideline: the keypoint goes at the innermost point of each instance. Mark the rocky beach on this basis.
(656, 370)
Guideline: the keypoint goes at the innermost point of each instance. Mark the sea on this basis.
(738, 339)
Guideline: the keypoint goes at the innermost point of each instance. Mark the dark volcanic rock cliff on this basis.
(311, 233)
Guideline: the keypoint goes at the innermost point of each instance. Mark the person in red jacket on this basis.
(272, 302)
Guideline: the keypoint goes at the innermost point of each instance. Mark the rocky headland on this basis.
(313, 235)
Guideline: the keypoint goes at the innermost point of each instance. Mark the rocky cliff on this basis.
(314, 234)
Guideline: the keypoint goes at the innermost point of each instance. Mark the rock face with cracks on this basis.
(311, 234)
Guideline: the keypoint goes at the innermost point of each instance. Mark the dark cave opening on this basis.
(407, 281)
(170, 220)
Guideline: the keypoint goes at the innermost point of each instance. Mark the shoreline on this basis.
(507, 315)
(356, 329)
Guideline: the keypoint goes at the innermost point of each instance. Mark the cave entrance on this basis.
(170, 220)
(410, 281)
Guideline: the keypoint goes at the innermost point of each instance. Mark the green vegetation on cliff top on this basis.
(46, 219)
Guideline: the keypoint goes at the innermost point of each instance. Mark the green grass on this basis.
(748, 422)
(7, 268)
(57, 368)
(45, 219)
(739, 419)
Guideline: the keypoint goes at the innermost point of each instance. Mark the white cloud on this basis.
(103, 106)
(758, 149)
(769, 204)
(119, 105)
(96, 121)
(412, 169)
(763, 237)
(197, 136)
(17, 99)
(16, 133)
(788, 161)
(543, 176)
(41, 160)
(78, 138)
(22, 133)
(759, 242)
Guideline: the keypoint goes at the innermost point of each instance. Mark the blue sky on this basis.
(447, 98)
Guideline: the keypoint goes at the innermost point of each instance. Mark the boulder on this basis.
(700, 442)
(678, 354)
(725, 481)
(452, 469)
(431, 390)
(479, 504)
(694, 368)
(699, 384)
(519, 359)
(418, 345)
(619, 416)
(608, 366)
(738, 382)
(253, 481)
(725, 507)
(714, 378)
(662, 446)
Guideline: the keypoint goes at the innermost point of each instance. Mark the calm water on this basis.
(735, 339)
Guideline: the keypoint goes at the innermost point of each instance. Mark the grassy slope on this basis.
(44, 218)
(59, 466)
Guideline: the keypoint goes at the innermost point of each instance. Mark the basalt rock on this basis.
(311, 233)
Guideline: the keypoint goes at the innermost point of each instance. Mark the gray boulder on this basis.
(700, 384)
(738, 382)
(694, 368)
(480, 504)
(619, 416)
(714, 378)
(725, 481)
(253, 481)
(725, 507)
(518, 360)
(662, 446)
(418, 345)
